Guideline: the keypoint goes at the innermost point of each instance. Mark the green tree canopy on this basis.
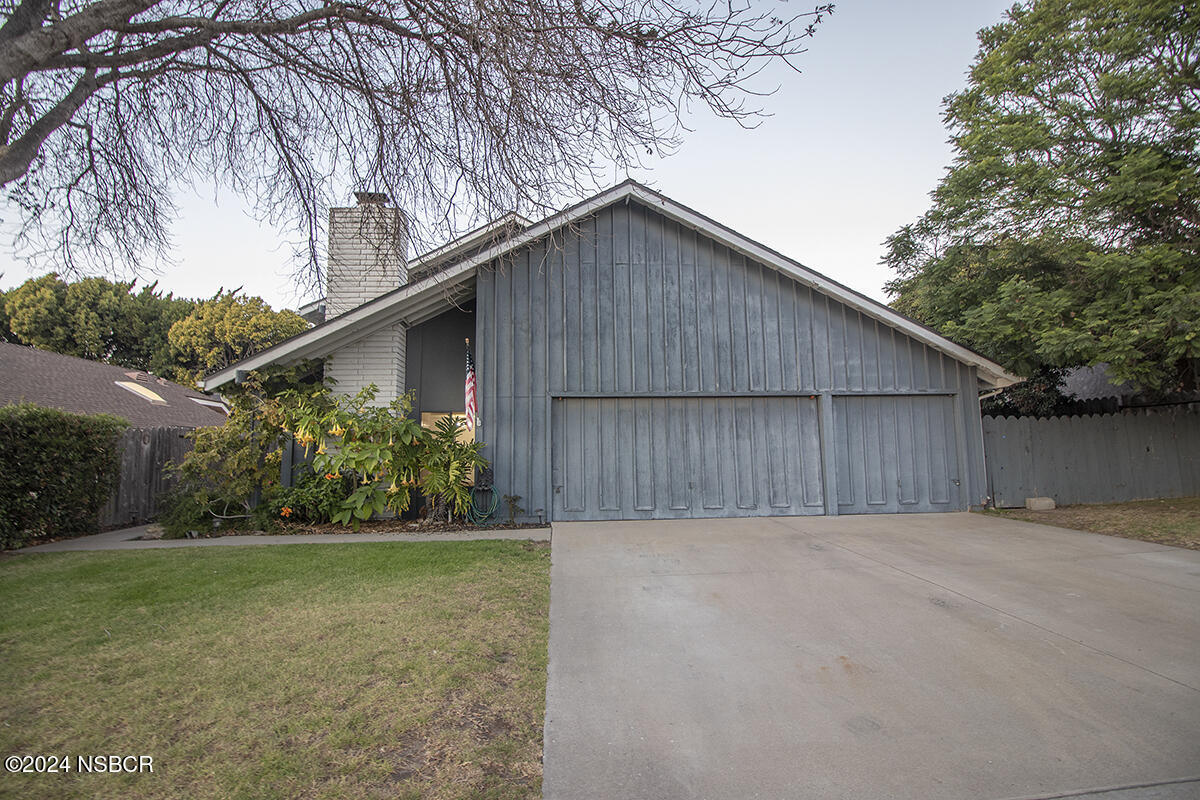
(1065, 231)
(228, 328)
(119, 324)
(152, 314)
(96, 319)
(36, 314)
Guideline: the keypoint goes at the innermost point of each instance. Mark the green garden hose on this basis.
(477, 515)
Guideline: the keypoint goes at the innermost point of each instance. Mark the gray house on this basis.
(637, 360)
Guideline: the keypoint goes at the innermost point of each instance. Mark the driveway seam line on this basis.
(1107, 789)
(1009, 614)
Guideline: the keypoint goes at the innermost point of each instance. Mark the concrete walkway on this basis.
(127, 539)
(931, 657)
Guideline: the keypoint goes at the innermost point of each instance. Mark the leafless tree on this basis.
(451, 106)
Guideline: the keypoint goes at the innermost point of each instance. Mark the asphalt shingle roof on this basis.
(29, 375)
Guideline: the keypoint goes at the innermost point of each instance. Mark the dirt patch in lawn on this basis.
(1174, 522)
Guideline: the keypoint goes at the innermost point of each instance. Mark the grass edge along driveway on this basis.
(1174, 521)
(347, 671)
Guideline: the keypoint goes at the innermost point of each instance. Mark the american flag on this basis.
(469, 389)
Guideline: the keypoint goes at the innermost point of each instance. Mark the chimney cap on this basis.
(372, 198)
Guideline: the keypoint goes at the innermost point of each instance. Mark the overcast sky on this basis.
(853, 148)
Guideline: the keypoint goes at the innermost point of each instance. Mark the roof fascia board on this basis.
(394, 303)
(354, 324)
(315, 338)
(298, 351)
(468, 240)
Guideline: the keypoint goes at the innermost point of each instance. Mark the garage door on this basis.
(896, 454)
(661, 458)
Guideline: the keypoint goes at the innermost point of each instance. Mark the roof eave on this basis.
(313, 341)
(391, 305)
(371, 316)
(998, 379)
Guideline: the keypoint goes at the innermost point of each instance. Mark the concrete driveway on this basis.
(925, 656)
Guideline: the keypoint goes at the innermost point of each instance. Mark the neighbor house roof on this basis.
(422, 298)
(1094, 383)
(52, 380)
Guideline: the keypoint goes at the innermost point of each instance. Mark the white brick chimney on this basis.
(367, 253)
(367, 257)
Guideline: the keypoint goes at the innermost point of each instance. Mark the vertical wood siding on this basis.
(642, 457)
(896, 454)
(628, 303)
(636, 304)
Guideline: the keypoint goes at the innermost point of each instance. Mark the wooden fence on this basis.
(144, 453)
(1135, 454)
(294, 457)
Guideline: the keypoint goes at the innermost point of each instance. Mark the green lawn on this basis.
(315, 671)
(1175, 522)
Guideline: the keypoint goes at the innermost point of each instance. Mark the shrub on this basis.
(314, 498)
(229, 469)
(368, 461)
(181, 510)
(379, 447)
(384, 451)
(57, 470)
(447, 466)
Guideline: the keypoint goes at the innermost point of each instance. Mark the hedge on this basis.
(57, 470)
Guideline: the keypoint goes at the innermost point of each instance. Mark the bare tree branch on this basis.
(23, 53)
(459, 109)
(24, 18)
(16, 158)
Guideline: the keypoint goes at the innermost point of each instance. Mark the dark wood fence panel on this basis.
(144, 454)
(295, 459)
(1137, 454)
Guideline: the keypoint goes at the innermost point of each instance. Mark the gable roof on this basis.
(422, 298)
(54, 380)
(469, 243)
(436, 259)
